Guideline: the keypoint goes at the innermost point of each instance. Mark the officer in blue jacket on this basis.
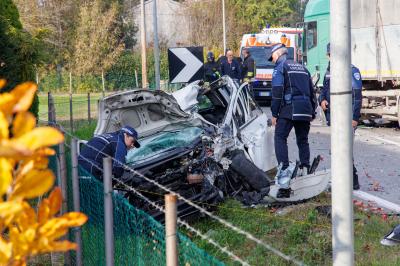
(115, 144)
(356, 84)
(293, 105)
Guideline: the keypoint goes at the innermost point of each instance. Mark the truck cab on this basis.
(260, 46)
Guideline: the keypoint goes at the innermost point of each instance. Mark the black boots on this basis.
(356, 185)
(283, 193)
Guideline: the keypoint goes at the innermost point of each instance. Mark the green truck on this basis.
(375, 48)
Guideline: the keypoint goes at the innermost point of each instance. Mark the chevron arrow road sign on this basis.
(185, 64)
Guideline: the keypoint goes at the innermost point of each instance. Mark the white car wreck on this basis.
(206, 142)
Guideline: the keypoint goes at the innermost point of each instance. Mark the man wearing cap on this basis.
(115, 145)
(356, 84)
(293, 105)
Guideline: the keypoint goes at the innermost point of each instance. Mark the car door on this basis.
(254, 130)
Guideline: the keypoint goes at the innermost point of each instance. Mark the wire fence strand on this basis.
(186, 225)
(202, 210)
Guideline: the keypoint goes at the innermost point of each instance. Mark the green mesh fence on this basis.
(138, 238)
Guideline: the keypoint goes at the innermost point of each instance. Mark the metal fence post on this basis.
(51, 111)
(63, 184)
(76, 197)
(170, 230)
(71, 118)
(108, 211)
(88, 105)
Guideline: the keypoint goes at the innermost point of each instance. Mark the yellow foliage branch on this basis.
(24, 174)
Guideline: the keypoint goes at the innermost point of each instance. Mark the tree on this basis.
(242, 16)
(54, 21)
(20, 53)
(9, 11)
(97, 42)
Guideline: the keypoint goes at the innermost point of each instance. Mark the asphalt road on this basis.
(376, 155)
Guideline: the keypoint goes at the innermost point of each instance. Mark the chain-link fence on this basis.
(73, 110)
(138, 238)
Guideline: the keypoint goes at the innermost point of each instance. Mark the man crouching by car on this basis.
(115, 145)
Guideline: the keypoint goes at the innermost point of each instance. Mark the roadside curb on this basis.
(379, 201)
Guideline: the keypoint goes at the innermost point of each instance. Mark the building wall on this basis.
(173, 24)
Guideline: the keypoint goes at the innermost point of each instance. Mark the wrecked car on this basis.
(205, 142)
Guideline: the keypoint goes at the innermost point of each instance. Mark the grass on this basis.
(299, 231)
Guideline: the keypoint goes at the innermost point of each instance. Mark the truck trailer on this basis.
(375, 50)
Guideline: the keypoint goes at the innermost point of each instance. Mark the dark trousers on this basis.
(282, 130)
(328, 121)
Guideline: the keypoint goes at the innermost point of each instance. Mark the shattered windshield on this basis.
(164, 141)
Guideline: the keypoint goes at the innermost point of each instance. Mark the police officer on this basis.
(211, 68)
(114, 144)
(356, 84)
(231, 67)
(247, 65)
(293, 105)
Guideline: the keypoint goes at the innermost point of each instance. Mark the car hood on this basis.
(147, 111)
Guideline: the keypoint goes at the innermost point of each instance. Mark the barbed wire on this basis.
(197, 232)
(202, 210)
(229, 208)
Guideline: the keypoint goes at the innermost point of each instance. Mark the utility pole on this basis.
(341, 135)
(143, 40)
(224, 24)
(156, 48)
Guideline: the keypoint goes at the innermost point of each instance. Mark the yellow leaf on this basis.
(38, 156)
(41, 162)
(27, 218)
(9, 210)
(4, 134)
(5, 175)
(55, 227)
(40, 137)
(75, 218)
(5, 251)
(24, 94)
(33, 184)
(55, 201)
(23, 123)
(20, 244)
(12, 149)
(7, 101)
(3, 83)
(44, 211)
(62, 246)
(23, 169)
(44, 152)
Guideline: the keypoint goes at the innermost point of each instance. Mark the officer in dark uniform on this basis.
(247, 65)
(356, 84)
(293, 105)
(211, 68)
(114, 144)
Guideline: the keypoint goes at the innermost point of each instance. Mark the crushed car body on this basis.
(205, 142)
